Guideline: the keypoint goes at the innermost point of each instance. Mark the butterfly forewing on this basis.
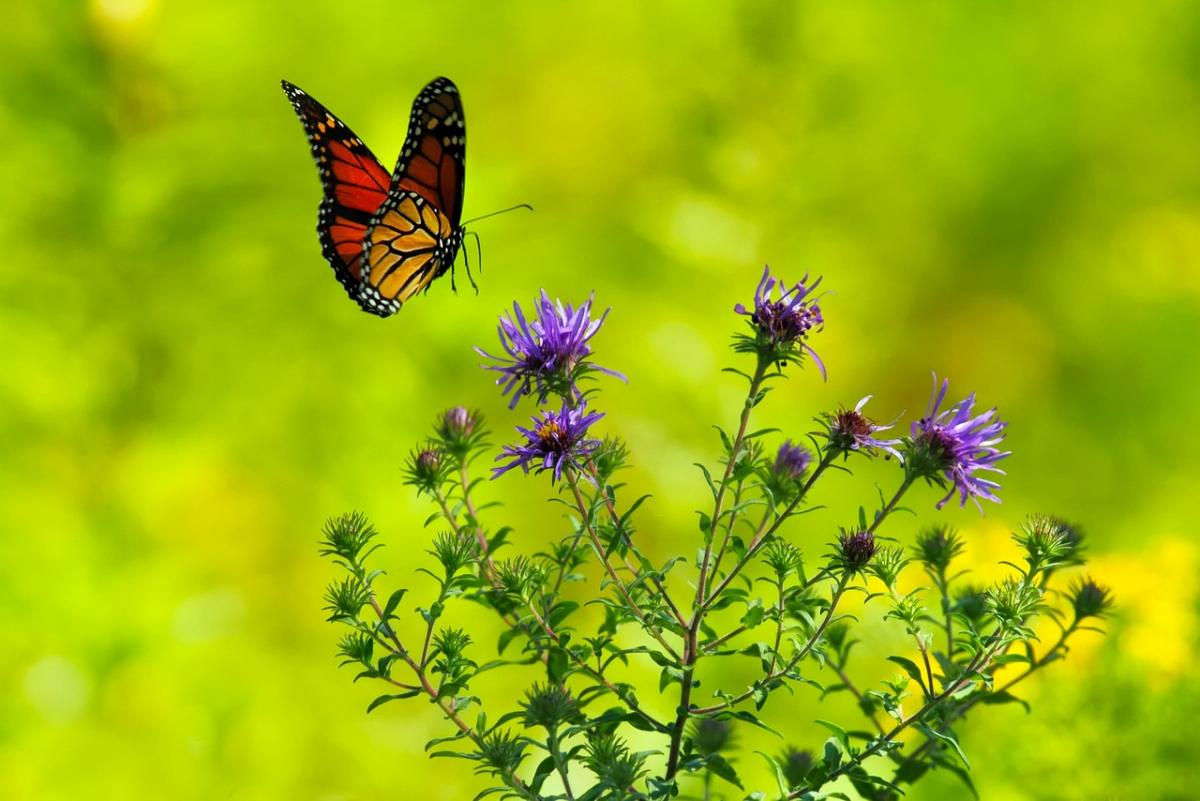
(433, 161)
(354, 181)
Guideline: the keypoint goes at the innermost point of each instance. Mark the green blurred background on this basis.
(1006, 193)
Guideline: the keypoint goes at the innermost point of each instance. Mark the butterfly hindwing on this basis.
(355, 186)
(408, 244)
(433, 161)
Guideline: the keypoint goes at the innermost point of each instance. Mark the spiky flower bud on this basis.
(937, 546)
(345, 536)
(549, 706)
(610, 457)
(345, 599)
(887, 564)
(502, 752)
(356, 647)
(426, 467)
(1013, 602)
(1089, 598)
(783, 558)
(616, 768)
(459, 430)
(454, 551)
(1044, 540)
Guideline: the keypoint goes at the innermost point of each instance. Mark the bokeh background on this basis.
(1008, 194)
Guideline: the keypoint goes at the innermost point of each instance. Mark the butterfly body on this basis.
(388, 236)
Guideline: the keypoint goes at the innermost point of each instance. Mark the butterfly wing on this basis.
(433, 161)
(355, 185)
(409, 243)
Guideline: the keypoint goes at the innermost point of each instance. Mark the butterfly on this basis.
(389, 236)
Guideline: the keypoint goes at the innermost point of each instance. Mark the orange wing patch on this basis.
(403, 252)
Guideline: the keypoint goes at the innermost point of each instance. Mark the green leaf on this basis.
(833, 755)
(556, 665)
(781, 782)
(754, 614)
(719, 766)
(946, 738)
(842, 737)
(392, 602)
(1005, 697)
(910, 668)
(383, 699)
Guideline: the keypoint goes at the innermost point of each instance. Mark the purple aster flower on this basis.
(851, 430)
(792, 461)
(782, 319)
(556, 441)
(958, 445)
(548, 353)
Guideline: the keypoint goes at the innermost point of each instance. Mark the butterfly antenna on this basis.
(494, 213)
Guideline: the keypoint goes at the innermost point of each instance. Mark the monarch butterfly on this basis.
(389, 236)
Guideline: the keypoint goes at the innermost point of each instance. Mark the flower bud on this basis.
(855, 550)
(1090, 599)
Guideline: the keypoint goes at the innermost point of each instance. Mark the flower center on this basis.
(551, 433)
(853, 424)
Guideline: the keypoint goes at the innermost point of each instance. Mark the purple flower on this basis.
(782, 319)
(958, 446)
(792, 461)
(556, 441)
(851, 430)
(548, 353)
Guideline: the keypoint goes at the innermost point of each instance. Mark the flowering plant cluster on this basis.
(588, 613)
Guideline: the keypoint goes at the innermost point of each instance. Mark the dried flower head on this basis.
(954, 445)
(547, 354)
(849, 430)
(782, 320)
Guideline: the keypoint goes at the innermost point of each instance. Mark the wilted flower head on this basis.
(557, 441)
(851, 430)
(1089, 598)
(548, 353)
(782, 319)
(855, 549)
(956, 445)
